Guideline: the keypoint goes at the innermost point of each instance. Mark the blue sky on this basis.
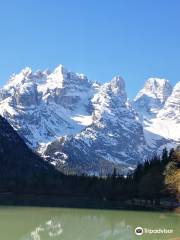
(136, 39)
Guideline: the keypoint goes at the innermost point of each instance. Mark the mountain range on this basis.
(81, 126)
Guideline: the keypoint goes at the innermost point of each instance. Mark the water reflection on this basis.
(26, 223)
(75, 226)
(51, 229)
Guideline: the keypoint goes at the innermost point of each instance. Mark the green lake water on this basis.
(34, 223)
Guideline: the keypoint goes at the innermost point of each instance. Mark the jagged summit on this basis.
(158, 105)
(59, 77)
(26, 71)
(171, 108)
(23, 76)
(110, 93)
(152, 96)
(72, 121)
(176, 89)
(110, 96)
(47, 106)
(156, 88)
(43, 105)
(60, 68)
(117, 85)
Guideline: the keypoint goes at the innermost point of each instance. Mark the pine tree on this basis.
(165, 157)
(172, 174)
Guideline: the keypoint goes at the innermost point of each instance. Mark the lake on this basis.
(36, 223)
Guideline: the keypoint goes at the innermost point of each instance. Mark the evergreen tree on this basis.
(172, 174)
(165, 156)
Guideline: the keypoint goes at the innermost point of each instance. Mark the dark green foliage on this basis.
(22, 171)
(20, 168)
(165, 157)
(172, 174)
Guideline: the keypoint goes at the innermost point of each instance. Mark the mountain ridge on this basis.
(69, 120)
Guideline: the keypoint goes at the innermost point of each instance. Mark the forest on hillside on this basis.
(153, 180)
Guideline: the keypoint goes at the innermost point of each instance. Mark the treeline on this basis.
(155, 179)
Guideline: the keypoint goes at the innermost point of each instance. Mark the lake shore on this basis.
(11, 199)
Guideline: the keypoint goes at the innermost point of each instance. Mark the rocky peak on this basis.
(20, 78)
(114, 90)
(26, 71)
(117, 85)
(94, 120)
(152, 96)
(110, 99)
(171, 108)
(176, 90)
(157, 88)
(46, 84)
(60, 69)
(61, 78)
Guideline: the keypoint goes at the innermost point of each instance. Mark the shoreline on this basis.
(12, 199)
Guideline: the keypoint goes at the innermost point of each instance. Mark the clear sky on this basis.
(136, 39)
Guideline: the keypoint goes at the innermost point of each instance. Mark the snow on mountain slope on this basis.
(167, 122)
(42, 105)
(88, 127)
(152, 97)
(159, 108)
(116, 135)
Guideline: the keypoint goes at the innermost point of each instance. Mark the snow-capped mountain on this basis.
(42, 106)
(83, 126)
(167, 122)
(151, 98)
(158, 105)
(66, 117)
(115, 135)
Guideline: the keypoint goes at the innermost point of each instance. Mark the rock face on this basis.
(152, 97)
(72, 121)
(82, 126)
(42, 106)
(158, 104)
(115, 135)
